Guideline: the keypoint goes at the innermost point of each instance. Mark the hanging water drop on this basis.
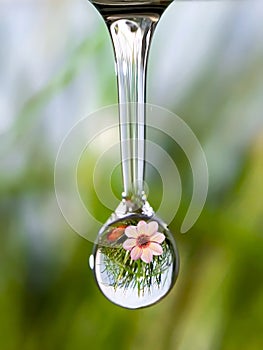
(135, 261)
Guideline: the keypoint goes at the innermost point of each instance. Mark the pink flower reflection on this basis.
(144, 241)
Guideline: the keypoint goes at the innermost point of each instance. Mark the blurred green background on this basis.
(56, 67)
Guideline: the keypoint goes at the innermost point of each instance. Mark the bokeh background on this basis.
(56, 67)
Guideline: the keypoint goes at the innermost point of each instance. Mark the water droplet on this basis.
(135, 261)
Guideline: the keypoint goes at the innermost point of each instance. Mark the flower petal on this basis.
(152, 227)
(136, 253)
(115, 234)
(142, 227)
(157, 237)
(129, 243)
(131, 232)
(147, 255)
(156, 248)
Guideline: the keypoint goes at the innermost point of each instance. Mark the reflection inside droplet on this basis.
(135, 261)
